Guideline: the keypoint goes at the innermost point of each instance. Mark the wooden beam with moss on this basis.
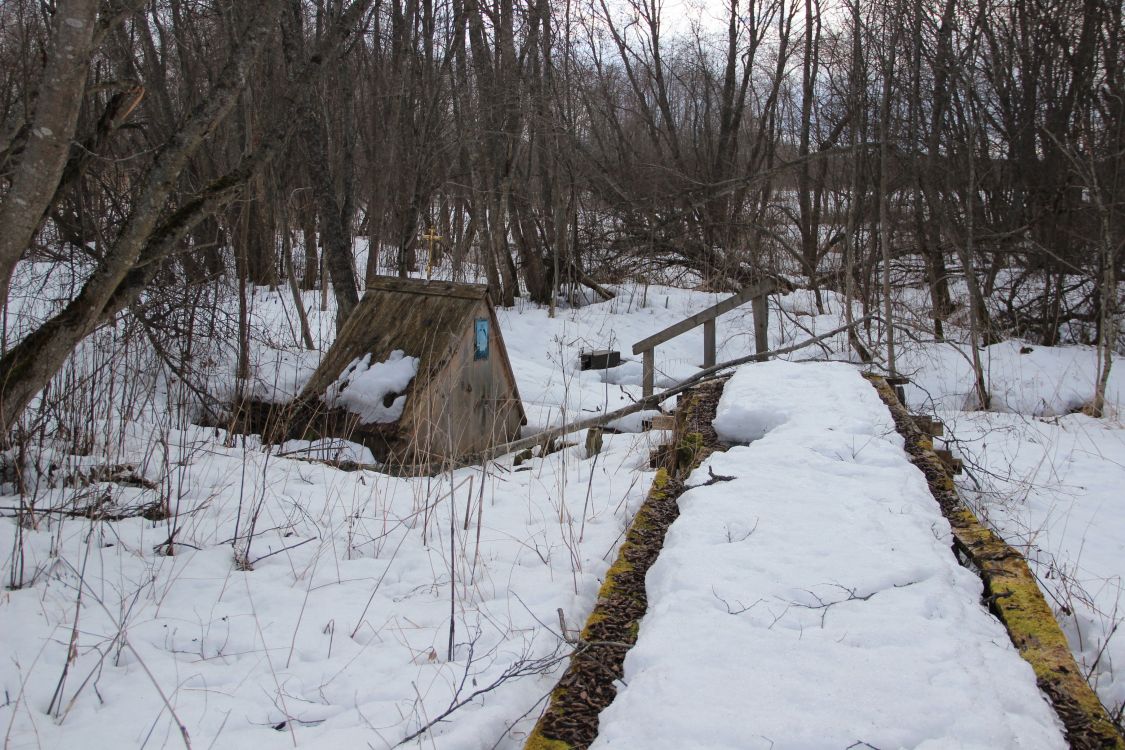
(1013, 595)
(571, 719)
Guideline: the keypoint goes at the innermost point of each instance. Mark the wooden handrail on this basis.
(703, 316)
(648, 402)
(755, 292)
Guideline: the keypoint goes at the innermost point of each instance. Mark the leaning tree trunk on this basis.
(27, 368)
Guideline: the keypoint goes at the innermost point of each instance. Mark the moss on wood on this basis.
(1013, 595)
(539, 742)
(587, 686)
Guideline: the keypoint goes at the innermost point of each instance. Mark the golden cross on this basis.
(431, 236)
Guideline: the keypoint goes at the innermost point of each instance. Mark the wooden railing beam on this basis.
(754, 290)
(757, 293)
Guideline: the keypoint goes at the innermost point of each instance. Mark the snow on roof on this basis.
(375, 392)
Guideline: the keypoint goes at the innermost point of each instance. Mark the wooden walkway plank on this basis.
(589, 683)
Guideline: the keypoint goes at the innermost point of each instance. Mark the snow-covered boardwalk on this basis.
(813, 599)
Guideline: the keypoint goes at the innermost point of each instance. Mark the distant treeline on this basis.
(172, 143)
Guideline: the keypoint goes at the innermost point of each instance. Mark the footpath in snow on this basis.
(813, 600)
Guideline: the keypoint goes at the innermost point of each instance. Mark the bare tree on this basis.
(150, 232)
(43, 141)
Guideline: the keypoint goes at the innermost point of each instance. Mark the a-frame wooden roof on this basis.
(425, 319)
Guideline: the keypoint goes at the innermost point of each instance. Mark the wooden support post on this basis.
(593, 441)
(709, 343)
(761, 325)
(648, 372)
(954, 465)
(897, 382)
(928, 425)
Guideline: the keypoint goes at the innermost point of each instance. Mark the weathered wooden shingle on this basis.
(463, 398)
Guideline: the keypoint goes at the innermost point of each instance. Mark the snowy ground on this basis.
(1053, 487)
(813, 600)
(339, 633)
(1048, 480)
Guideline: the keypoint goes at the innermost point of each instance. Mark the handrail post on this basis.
(761, 325)
(709, 343)
(648, 372)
